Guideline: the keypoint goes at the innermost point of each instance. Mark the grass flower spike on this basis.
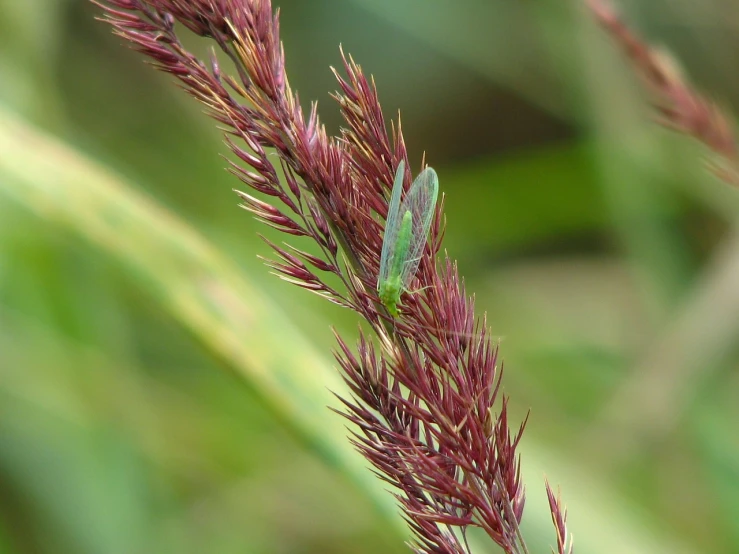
(425, 386)
(677, 104)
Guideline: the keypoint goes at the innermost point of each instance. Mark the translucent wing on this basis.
(420, 201)
(392, 225)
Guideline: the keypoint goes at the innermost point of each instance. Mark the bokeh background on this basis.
(161, 392)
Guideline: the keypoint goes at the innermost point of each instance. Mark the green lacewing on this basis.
(406, 231)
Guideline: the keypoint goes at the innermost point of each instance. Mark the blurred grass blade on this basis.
(490, 28)
(617, 526)
(195, 283)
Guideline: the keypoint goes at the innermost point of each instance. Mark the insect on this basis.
(406, 231)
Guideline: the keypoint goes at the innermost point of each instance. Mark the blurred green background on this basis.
(161, 392)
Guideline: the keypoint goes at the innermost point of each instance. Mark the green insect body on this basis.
(392, 287)
(406, 231)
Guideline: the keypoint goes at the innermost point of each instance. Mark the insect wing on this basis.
(392, 225)
(420, 201)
